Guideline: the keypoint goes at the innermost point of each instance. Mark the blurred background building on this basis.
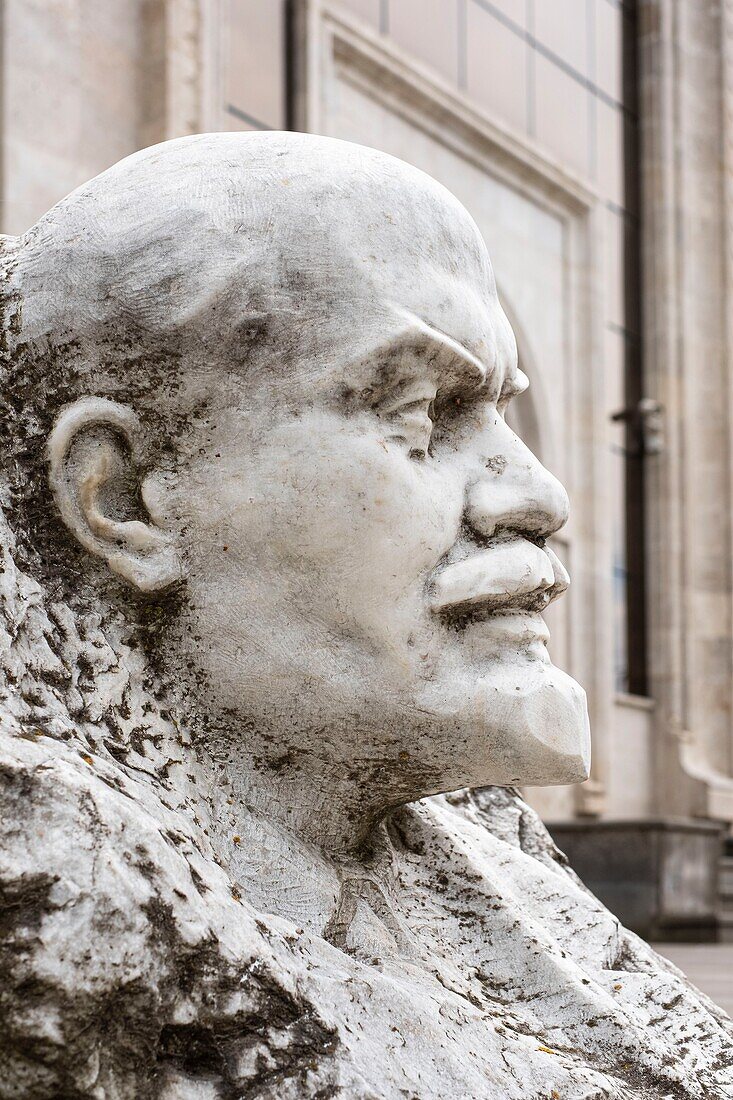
(593, 142)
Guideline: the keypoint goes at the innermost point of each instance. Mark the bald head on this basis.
(230, 235)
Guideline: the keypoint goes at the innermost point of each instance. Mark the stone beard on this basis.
(274, 568)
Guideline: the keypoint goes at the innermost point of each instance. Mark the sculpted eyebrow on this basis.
(391, 368)
(420, 337)
(475, 369)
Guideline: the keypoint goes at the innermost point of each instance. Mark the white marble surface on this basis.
(274, 573)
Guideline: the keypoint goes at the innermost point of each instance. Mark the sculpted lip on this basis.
(514, 575)
(512, 629)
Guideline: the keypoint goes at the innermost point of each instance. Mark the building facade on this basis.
(592, 140)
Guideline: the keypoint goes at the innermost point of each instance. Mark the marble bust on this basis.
(273, 660)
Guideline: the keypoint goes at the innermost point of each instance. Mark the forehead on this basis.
(419, 269)
(386, 266)
(300, 252)
(436, 309)
(427, 313)
(409, 275)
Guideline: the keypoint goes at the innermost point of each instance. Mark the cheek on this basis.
(328, 510)
(395, 520)
(358, 507)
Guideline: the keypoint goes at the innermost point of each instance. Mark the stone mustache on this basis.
(272, 592)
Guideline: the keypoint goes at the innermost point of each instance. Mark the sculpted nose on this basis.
(515, 492)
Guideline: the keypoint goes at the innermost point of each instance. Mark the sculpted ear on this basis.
(96, 455)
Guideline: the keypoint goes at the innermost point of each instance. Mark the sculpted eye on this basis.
(449, 412)
(411, 423)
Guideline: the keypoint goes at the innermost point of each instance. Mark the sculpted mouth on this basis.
(512, 576)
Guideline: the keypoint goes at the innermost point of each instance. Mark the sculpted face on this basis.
(361, 535)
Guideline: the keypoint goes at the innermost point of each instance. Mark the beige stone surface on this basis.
(562, 26)
(429, 29)
(496, 67)
(562, 119)
(254, 41)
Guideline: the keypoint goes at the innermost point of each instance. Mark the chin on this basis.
(522, 722)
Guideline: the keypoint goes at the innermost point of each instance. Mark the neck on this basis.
(318, 803)
(292, 838)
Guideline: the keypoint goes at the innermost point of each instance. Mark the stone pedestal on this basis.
(659, 876)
